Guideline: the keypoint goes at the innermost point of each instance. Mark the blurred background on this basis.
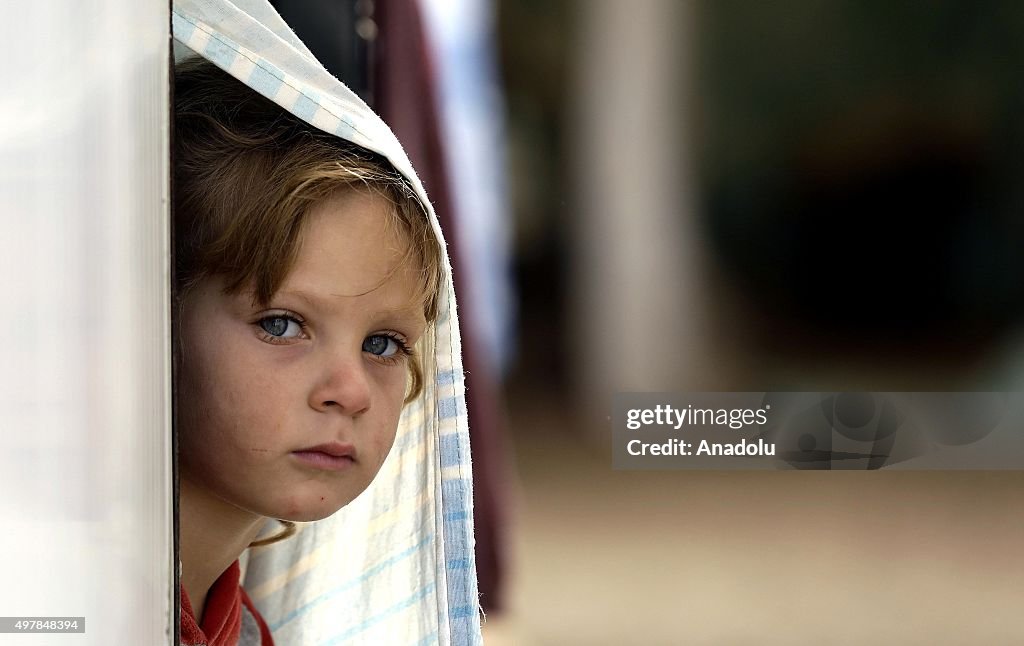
(717, 195)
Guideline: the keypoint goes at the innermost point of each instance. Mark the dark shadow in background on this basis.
(861, 166)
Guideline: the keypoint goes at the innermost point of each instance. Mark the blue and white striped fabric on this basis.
(396, 565)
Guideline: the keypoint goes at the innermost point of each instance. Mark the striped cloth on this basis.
(396, 565)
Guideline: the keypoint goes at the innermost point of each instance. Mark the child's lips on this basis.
(333, 456)
(323, 460)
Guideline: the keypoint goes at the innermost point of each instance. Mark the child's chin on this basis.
(313, 514)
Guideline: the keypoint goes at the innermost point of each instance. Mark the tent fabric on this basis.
(395, 566)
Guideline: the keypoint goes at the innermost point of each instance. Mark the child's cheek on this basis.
(383, 438)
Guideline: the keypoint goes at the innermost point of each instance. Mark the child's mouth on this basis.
(334, 456)
(324, 460)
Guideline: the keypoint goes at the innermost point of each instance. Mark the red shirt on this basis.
(230, 619)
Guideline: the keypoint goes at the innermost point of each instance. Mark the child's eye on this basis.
(281, 326)
(385, 345)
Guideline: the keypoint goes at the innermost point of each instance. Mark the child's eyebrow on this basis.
(412, 313)
(309, 299)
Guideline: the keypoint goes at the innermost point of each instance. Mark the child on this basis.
(306, 273)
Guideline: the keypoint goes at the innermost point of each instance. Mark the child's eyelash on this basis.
(283, 314)
(404, 349)
(403, 346)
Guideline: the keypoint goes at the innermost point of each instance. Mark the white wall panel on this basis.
(85, 443)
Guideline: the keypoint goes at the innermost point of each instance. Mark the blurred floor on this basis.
(606, 557)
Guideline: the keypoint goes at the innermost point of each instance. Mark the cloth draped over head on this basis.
(396, 565)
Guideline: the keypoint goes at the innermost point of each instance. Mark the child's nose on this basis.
(344, 385)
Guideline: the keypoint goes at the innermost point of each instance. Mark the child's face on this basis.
(258, 387)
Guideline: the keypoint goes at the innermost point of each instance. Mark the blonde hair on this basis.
(247, 173)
